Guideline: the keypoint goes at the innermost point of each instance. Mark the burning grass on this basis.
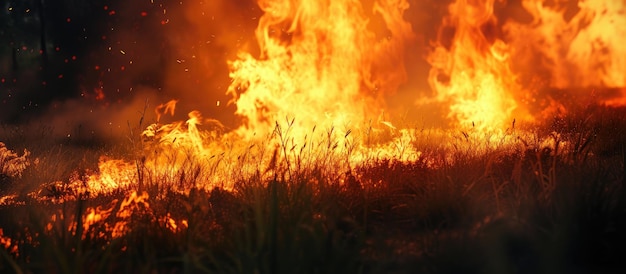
(541, 200)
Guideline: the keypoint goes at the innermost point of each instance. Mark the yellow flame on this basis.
(113, 174)
(318, 63)
(319, 82)
(473, 73)
(586, 50)
(96, 215)
(576, 47)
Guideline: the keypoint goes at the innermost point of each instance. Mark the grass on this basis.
(547, 199)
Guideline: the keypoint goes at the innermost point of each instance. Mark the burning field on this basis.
(297, 136)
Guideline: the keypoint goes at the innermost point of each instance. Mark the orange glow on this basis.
(491, 70)
(575, 48)
(99, 219)
(133, 204)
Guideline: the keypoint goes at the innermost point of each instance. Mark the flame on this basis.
(574, 47)
(134, 203)
(586, 50)
(319, 63)
(473, 73)
(94, 216)
(319, 81)
(114, 174)
(12, 164)
(169, 107)
(316, 91)
(9, 244)
(327, 65)
(491, 71)
(111, 221)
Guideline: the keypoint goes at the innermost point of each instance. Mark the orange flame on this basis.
(473, 73)
(12, 164)
(586, 50)
(329, 65)
(319, 63)
(8, 244)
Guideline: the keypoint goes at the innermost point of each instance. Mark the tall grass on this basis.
(548, 199)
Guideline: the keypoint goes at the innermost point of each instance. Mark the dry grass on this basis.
(530, 206)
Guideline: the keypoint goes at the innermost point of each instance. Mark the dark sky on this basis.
(104, 52)
(99, 64)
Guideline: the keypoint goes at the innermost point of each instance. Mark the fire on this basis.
(492, 70)
(111, 221)
(317, 87)
(132, 204)
(473, 73)
(8, 244)
(581, 55)
(320, 66)
(314, 96)
(320, 63)
(94, 216)
(319, 82)
(114, 174)
(11, 163)
(586, 50)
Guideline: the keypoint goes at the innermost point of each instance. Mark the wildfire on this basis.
(316, 91)
(320, 79)
(315, 94)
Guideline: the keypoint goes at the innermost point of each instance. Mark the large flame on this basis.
(319, 63)
(328, 65)
(492, 70)
(586, 50)
(576, 46)
(471, 67)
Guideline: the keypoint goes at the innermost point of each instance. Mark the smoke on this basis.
(128, 56)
